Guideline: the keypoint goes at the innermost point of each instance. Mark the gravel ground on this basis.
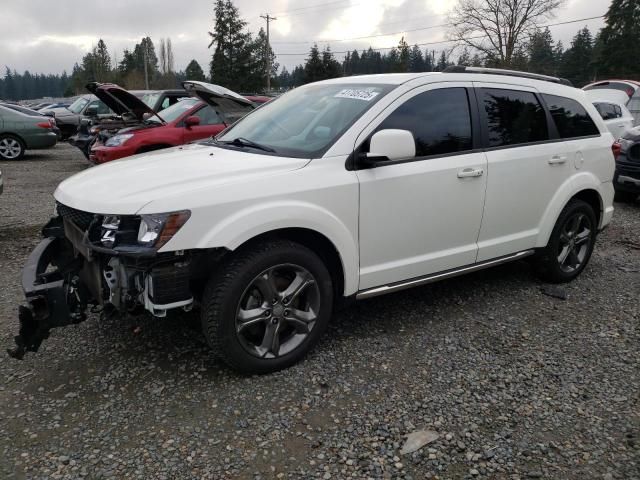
(515, 383)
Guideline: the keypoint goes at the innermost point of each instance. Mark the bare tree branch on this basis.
(498, 28)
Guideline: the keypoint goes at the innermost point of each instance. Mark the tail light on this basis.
(616, 148)
(44, 125)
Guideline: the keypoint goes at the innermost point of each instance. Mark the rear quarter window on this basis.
(571, 118)
(513, 117)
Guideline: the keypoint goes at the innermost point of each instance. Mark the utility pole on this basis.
(269, 19)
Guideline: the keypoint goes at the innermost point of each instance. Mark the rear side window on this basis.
(571, 119)
(439, 120)
(513, 117)
(608, 111)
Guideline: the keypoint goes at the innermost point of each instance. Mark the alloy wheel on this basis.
(10, 148)
(277, 311)
(575, 242)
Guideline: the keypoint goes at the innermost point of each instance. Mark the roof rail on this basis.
(510, 73)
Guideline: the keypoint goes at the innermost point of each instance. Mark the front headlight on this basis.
(118, 140)
(157, 229)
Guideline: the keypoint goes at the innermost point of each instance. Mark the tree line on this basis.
(241, 61)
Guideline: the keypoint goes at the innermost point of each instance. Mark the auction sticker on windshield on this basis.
(366, 95)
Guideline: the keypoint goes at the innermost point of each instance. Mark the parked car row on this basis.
(338, 190)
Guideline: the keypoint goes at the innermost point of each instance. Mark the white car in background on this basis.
(630, 88)
(611, 105)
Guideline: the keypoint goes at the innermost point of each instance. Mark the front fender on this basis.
(572, 186)
(243, 225)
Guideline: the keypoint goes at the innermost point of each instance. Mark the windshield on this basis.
(304, 123)
(150, 99)
(173, 112)
(78, 105)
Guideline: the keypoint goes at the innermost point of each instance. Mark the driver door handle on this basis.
(470, 172)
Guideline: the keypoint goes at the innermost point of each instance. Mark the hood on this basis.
(120, 100)
(215, 95)
(607, 95)
(125, 186)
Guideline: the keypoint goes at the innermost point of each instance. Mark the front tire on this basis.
(570, 245)
(11, 148)
(267, 306)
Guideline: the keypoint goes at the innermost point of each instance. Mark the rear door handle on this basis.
(558, 160)
(470, 172)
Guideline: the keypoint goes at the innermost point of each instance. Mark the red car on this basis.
(210, 110)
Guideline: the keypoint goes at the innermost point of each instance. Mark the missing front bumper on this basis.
(55, 296)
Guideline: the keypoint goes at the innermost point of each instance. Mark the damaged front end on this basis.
(103, 262)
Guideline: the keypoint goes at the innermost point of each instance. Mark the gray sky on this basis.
(49, 36)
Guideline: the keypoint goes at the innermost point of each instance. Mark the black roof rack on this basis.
(509, 73)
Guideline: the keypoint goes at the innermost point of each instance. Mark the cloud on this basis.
(46, 36)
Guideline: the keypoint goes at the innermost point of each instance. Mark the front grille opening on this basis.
(78, 217)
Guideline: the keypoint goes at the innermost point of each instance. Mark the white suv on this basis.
(348, 188)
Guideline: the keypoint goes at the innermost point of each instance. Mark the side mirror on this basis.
(191, 121)
(91, 111)
(388, 145)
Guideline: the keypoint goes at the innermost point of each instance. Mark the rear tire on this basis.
(267, 306)
(11, 147)
(570, 245)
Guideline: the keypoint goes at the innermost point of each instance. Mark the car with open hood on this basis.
(338, 190)
(206, 111)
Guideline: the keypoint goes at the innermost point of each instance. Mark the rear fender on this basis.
(570, 188)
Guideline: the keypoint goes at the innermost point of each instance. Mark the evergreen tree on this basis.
(232, 54)
(416, 60)
(442, 62)
(392, 61)
(542, 57)
(145, 52)
(194, 71)
(403, 56)
(576, 61)
(101, 62)
(330, 65)
(619, 50)
(313, 67)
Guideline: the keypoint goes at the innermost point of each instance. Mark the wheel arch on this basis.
(16, 136)
(307, 223)
(314, 241)
(586, 189)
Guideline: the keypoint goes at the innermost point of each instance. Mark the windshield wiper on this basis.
(245, 142)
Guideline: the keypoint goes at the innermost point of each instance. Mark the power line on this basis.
(308, 7)
(302, 10)
(368, 36)
(447, 41)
